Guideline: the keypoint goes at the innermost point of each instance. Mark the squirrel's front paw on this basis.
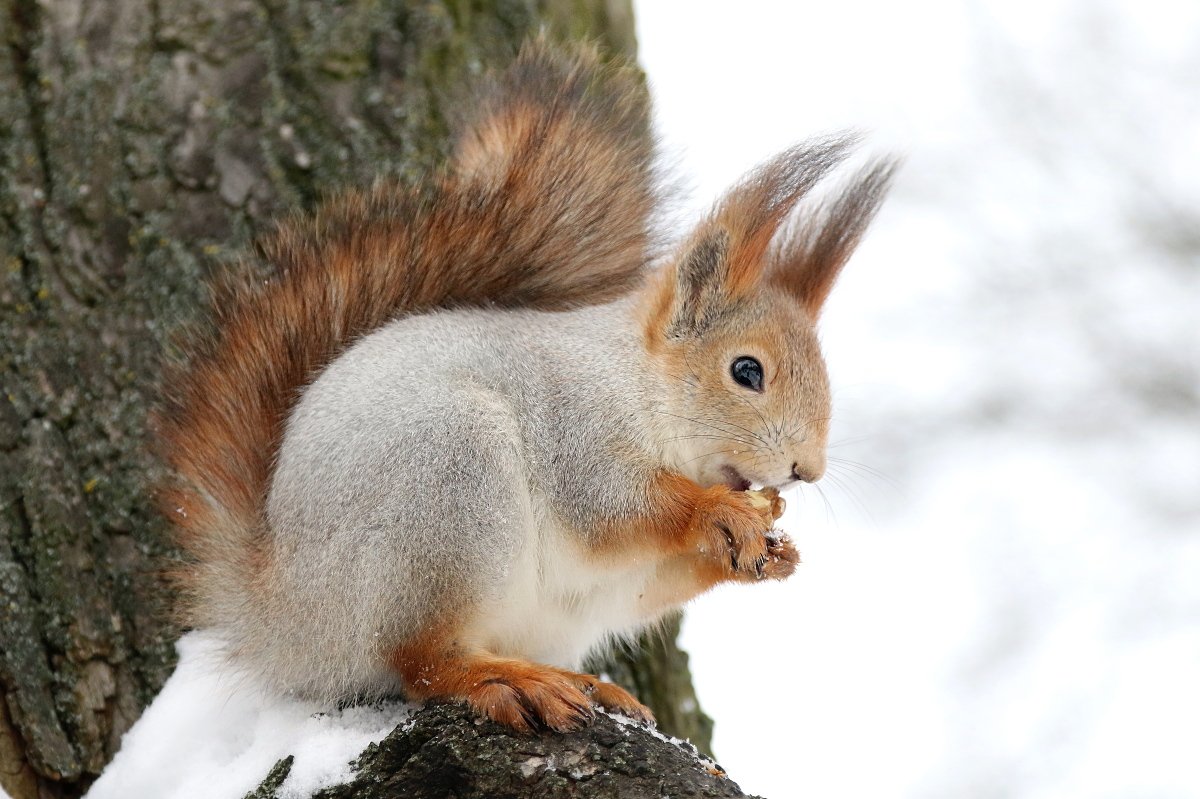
(737, 533)
(782, 556)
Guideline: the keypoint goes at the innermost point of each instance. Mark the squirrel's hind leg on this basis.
(513, 692)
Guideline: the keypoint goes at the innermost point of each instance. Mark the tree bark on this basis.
(142, 142)
(444, 752)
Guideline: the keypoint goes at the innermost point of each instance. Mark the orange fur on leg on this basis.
(516, 693)
(704, 536)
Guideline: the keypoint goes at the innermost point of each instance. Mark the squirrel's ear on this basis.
(808, 259)
(700, 276)
(726, 258)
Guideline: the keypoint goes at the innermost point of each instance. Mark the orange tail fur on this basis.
(545, 203)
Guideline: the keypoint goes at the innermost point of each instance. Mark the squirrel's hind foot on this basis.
(525, 696)
(516, 693)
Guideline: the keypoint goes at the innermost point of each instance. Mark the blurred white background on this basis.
(1001, 596)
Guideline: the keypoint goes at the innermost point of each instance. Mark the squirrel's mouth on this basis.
(734, 479)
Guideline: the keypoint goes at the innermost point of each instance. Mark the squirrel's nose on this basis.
(807, 474)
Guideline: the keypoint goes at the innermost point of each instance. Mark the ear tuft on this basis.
(728, 254)
(753, 210)
(809, 258)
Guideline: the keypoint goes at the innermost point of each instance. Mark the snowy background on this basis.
(1001, 588)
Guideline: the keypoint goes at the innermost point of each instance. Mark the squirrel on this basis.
(467, 432)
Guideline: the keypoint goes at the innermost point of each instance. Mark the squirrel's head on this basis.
(731, 322)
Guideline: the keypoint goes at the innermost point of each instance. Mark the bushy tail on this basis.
(545, 203)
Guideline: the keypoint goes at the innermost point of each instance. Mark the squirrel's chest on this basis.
(558, 602)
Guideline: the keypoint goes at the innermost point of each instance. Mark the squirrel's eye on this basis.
(747, 372)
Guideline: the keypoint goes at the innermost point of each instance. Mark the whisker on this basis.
(738, 426)
(808, 422)
(705, 424)
(715, 438)
(715, 420)
(707, 454)
(763, 419)
(828, 506)
(863, 470)
(849, 491)
(845, 441)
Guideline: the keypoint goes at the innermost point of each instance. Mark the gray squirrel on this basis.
(468, 432)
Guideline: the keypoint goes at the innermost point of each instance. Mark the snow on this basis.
(212, 734)
(573, 765)
(686, 746)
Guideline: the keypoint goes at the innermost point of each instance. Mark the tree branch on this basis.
(445, 750)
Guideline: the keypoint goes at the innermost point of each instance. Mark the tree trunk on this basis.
(141, 142)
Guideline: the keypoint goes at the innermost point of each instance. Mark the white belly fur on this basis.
(559, 603)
